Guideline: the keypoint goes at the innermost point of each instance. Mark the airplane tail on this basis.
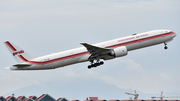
(19, 54)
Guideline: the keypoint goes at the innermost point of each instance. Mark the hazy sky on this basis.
(43, 27)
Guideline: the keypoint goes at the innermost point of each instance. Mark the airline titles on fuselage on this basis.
(133, 37)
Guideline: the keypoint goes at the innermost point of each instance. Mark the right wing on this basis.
(96, 52)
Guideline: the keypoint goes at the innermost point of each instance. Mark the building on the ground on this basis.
(33, 97)
(45, 97)
(92, 98)
(20, 98)
(171, 100)
(63, 99)
(114, 100)
(27, 99)
(2, 98)
(10, 98)
(74, 100)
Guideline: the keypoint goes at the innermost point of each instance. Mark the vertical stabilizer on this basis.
(19, 54)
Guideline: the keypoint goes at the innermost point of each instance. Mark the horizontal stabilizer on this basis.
(7, 68)
(22, 65)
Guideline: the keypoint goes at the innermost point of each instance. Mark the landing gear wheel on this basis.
(96, 64)
(101, 63)
(165, 47)
(93, 65)
(89, 67)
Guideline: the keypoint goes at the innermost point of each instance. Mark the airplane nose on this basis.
(173, 34)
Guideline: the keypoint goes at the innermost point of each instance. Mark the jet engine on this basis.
(119, 51)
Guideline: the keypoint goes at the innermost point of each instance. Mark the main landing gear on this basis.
(165, 47)
(95, 64)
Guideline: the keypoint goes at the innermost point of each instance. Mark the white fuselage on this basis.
(81, 54)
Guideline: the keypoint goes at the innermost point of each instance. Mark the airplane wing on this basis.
(96, 52)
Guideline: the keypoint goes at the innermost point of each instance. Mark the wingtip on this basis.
(83, 43)
(6, 67)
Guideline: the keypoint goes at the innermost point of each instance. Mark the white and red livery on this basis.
(93, 53)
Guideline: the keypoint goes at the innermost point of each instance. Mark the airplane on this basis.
(94, 53)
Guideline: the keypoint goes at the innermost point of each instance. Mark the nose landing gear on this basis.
(165, 47)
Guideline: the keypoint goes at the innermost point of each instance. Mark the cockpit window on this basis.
(171, 31)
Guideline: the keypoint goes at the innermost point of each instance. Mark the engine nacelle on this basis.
(119, 51)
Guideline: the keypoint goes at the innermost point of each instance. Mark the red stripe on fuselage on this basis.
(53, 60)
(140, 40)
(84, 53)
(7, 42)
